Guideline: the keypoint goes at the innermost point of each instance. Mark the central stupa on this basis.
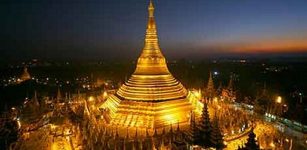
(152, 97)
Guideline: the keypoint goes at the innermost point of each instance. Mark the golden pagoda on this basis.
(152, 97)
(25, 75)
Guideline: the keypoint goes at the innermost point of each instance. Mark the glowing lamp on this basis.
(279, 99)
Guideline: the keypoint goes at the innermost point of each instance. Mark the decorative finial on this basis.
(163, 131)
(116, 135)
(151, 9)
(58, 97)
(136, 132)
(155, 132)
(147, 133)
(35, 99)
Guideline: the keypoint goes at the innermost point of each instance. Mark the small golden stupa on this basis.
(151, 98)
(25, 75)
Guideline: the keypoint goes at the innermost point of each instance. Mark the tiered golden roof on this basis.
(152, 97)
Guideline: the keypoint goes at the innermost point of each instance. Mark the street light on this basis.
(278, 106)
(279, 99)
(215, 99)
(91, 98)
(272, 145)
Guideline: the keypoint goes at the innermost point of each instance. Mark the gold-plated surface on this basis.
(25, 75)
(151, 61)
(151, 80)
(152, 97)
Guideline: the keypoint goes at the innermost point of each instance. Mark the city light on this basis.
(91, 98)
(215, 99)
(272, 145)
(150, 108)
(198, 94)
(18, 123)
(105, 94)
(278, 99)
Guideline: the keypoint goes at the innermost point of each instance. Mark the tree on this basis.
(193, 134)
(216, 135)
(251, 143)
(205, 127)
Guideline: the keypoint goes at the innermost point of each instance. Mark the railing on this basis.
(237, 136)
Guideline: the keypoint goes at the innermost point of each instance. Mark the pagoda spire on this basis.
(58, 96)
(162, 147)
(171, 133)
(66, 96)
(219, 89)
(147, 133)
(151, 60)
(127, 133)
(163, 131)
(171, 128)
(155, 133)
(230, 84)
(151, 37)
(25, 75)
(124, 144)
(230, 91)
(136, 133)
(151, 9)
(178, 128)
(35, 99)
(210, 87)
(116, 134)
(136, 140)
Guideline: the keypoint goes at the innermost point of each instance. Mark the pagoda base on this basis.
(147, 115)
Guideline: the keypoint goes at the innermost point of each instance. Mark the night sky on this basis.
(104, 29)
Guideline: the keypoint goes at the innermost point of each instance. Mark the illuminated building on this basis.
(141, 114)
(229, 93)
(251, 143)
(210, 91)
(25, 75)
(151, 98)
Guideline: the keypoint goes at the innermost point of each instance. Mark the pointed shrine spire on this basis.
(210, 93)
(136, 133)
(151, 37)
(127, 133)
(147, 133)
(58, 96)
(25, 75)
(35, 99)
(210, 81)
(151, 60)
(151, 9)
(230, 84)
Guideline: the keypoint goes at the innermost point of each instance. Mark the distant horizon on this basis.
(268, 56)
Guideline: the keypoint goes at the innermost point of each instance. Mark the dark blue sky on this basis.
(115, 28)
